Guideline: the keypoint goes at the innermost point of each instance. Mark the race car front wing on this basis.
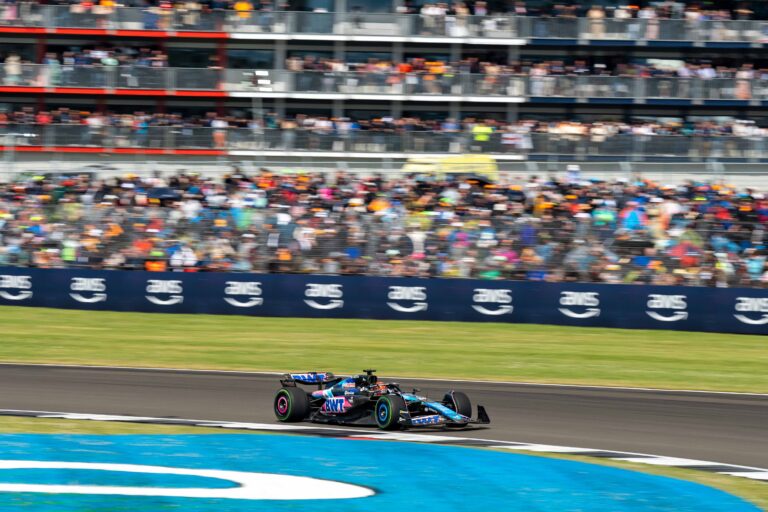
(437, 420)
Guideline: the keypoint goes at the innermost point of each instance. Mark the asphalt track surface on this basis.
(725, 428)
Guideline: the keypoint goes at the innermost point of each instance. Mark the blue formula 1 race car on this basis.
(363, 400)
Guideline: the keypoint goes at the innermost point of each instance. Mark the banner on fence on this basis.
(737, 310)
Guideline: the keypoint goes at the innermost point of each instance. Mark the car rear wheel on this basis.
(459, 402)
(387, 412)
(291, 404)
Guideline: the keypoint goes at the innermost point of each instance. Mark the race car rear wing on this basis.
(319, 378)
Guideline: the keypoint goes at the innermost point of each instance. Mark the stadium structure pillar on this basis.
(455, 52)
(340, 5)
(339, 49)
(397, 52)
(513, 53)
(281, 54)
(512, 112)
(454, 110)
(396, 110)
(338, 108)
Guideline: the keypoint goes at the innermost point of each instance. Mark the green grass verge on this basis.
(515, 352)
(756, 492)
(751, 490)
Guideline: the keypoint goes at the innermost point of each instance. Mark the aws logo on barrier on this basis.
(415, 295)
(330, 294)
(752, 305)
(243, 294)
(677, 303)
(171, 290)
(499, 302)
(88, 290)
(586, 304)
(15, 287)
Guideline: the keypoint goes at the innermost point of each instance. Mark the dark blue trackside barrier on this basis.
(737, 310)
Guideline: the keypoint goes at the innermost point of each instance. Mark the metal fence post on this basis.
(640, 88)
(170, 78)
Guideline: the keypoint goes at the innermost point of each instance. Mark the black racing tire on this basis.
(291, 404)
(387, 412)
(459, 403)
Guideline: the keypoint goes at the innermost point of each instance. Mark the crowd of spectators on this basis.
(458, 19)
(639, 20)
(667, 9)
(664, 9)
(143, 67)
(575, 66)
(211, 130)
(701, 79)
(313, 132)
(108, 55)
(531, 228)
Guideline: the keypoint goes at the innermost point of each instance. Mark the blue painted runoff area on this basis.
(404, 476)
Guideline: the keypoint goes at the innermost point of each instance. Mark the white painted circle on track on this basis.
(250, 486)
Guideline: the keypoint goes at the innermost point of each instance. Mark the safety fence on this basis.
(353, 85)
(268, 23)
(624, 306)
(370, 142)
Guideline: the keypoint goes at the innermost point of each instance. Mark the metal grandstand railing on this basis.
(631, 147)
(500, 26)
(395, 85)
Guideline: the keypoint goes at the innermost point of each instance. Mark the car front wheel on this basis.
(388, 409)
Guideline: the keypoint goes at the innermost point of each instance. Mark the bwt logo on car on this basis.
(500, 298)
(588, 300)
(752, 305)
(170, 287)
(415, 294)
(249, 290)
(92, 285)
(22, 283)
(335, 405)
(333, 292)
(675, 302)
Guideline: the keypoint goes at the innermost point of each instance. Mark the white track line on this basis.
(419, 379)
(642, 458)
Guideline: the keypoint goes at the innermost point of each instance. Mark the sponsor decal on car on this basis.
(752, 305)
(172, 288)
(416, 295)
(15, 288)
(427, 420)
(677, 303)
(88, 290)
(335, 405)
(309, 377)
(499, 301)
(587, 302)
(243, 294)
(333, 292)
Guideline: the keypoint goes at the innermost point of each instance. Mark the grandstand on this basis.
(381, 81)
